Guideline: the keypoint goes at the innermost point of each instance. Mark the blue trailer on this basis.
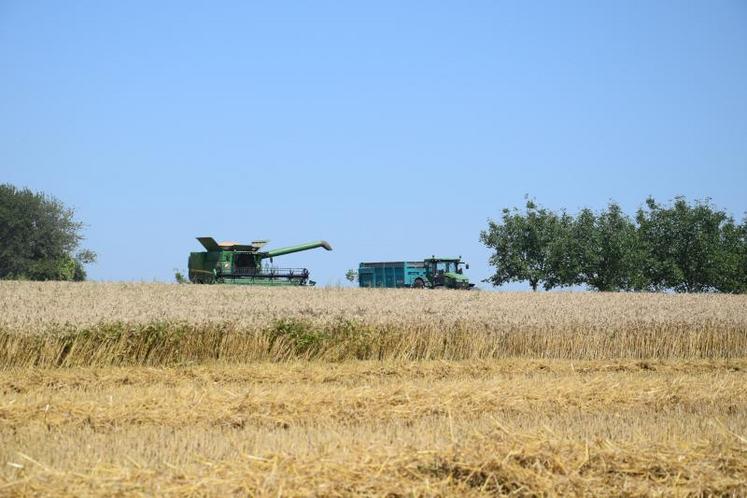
(432, 272)
(390, 274)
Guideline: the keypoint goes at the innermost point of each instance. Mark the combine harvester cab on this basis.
(243, 264)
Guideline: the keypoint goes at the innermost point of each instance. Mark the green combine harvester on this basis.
(244, 264)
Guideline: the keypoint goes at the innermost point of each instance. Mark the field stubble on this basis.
(470, 428)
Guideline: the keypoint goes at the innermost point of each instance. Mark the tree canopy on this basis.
(39, 238)
(683, 247)
(690, 247)
(610, 256)
(524, 246)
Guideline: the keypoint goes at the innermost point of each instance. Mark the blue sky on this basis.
(391, 129)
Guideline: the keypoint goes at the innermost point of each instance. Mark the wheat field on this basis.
(94, 324)
(150, 389)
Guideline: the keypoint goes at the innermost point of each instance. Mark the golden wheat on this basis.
(65, 324)
(42, 306)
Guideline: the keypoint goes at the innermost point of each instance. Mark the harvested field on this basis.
(476, 428)
(147, 389)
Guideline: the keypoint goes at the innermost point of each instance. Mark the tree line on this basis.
(680, 246)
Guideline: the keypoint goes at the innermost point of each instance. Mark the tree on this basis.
(685, 246)
(524, 246)
(609, 255)
(682, 247)
(733, 258)
(39, 238)
(563, 260)
(179, 276)
(351, 275)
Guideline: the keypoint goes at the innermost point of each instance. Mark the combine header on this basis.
(234, 263)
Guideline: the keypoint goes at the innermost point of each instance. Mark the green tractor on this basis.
(446, 273)
(234, 263)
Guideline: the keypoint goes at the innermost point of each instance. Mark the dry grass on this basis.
(147, 389)
(63, 324)
(480, 428)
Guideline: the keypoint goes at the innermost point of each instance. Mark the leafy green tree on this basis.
(39, 238)
(609, 255)
(686, 246)
(351, 275)
(683, 247)
(733, 258)
(564, 260)
(524, 246)
(179, 277)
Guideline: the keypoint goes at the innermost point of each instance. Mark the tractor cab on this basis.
(446, 272)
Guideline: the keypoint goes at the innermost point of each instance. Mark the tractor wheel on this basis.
(418, 284)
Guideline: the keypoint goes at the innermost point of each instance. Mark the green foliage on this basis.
(39, 237)
(524, 246)
(351, 275)
(610, 257)
(690, 247)
(348, 338)
(179, 277)
(733, 259)
(682, 247)
(301, 335)
(563, 262)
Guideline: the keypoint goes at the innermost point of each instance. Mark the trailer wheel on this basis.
(418, 284)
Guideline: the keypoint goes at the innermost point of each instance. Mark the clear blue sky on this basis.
(391, 129)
